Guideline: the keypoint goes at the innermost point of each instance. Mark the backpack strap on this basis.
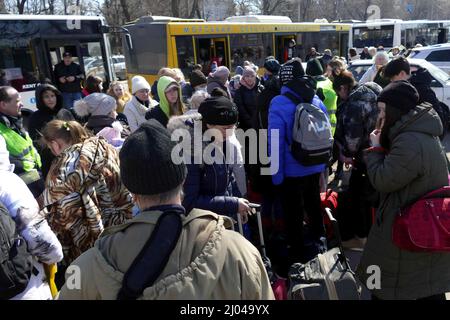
(151, 261)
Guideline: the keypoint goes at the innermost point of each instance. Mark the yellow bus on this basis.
(154, 42)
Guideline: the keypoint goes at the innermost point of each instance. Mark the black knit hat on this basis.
(218, 111)
(314, 68)
(272, 65)
(146, 166)
(291, 70)
(197, 78)
(401, 95)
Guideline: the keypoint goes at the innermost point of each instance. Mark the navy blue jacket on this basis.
(211, 187)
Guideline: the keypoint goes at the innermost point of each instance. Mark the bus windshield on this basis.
(30, 48)
(373, 37)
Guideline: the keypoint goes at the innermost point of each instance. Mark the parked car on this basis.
(440, 83)
(438, 54)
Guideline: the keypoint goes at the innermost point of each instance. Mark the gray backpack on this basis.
(312, 140)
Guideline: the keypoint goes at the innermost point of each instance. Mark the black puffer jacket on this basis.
(263, 99)
(263, 183)
(245, 100)
(421, 80)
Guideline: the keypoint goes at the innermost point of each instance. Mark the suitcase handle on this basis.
(262, 244)
(334, 223)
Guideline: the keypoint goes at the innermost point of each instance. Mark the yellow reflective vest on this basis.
(330, 100)
(22, 154)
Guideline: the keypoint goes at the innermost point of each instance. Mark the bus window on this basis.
(250, 47)
(91, 54)
(18, 64)
(149, 51)
(367, 37)
(185, 53)
(320, 40)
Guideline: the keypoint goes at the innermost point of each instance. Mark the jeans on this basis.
(69, 98)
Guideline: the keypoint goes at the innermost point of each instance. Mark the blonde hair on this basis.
(122, 100)
(179, 75)
(168, 72)
(337, 66)
(70, 132)
(197, 98)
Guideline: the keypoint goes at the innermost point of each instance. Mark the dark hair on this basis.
(352, 52)
(394, 67)
(197, 67)
(392, 115)
(92, 84)
(218, 92)
(345, 78)
(4, 95)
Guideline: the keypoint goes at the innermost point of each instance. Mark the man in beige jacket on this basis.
(208, 260)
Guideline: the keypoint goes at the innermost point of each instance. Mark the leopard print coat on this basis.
(84, 194)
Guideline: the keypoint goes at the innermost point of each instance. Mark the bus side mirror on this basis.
(105, 29)
(129, 41)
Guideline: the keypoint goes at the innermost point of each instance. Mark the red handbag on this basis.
(425, 225)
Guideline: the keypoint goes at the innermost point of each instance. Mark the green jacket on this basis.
(22, 154)
(330, 99)
(414, 166)
(163, 83)
(209, 262)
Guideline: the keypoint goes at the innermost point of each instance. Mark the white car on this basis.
(120, 69)
(439, 55)
(440, 83)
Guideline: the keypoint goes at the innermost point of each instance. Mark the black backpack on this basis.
(16, 263)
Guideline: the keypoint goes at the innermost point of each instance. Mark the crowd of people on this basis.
(96, 182)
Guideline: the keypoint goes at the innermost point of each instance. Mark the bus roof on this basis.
(162, 19)
(385, 22)
(47, 17)
(259, 18)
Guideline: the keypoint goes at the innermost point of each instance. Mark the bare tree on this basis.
(269, 7)
(195, 10)
(175, 8)
(21, 6)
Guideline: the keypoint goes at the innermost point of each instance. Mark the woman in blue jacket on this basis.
(210, 183)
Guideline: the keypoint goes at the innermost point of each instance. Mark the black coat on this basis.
(260, 183)
(421, 80)
(97, 123)
(39, 120)
(245, 100)
(72, 70)
(157, 114)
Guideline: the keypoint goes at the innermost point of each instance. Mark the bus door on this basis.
(443, 35)
(343, 43)
(88, 54)
(210, 50)
(282, 47)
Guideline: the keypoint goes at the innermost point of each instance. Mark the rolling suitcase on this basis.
(326, 277)
(278, 284)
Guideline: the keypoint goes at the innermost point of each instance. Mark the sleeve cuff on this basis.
(376, 149)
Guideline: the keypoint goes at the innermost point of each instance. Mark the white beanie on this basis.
(5, 165)
(138, 83)
(95, 104)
